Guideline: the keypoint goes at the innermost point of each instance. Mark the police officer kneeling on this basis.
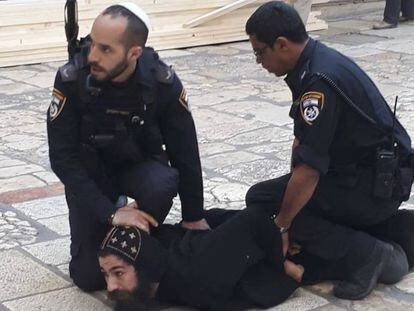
(114, 106)
(352, 162)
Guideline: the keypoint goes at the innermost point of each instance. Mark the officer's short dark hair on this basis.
(276, 19)
(136, 32)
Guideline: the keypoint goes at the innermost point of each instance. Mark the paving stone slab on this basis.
(207, 149)
(398, 45)
(258, 110)
(21, 276)
(68, 299)
(48, 177)
(20, 182)
(407, 284)
(43, 208)
(403, 32)
(42, 79)
(379, 301)
(230, 192)
(16, 88)
(301, 300)
(58, 224)
(55, 252)
(277, 151)
(12, 171)
(213, 126)
(219, 97)
(252, 172)
(224, 159)
(263, 136)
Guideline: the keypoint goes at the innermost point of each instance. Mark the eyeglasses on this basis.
(259, 51)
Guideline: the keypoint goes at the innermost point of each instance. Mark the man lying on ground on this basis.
(237, 265)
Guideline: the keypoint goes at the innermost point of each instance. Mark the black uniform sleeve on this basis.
(179, 134)
(315, 125)
(63, 127)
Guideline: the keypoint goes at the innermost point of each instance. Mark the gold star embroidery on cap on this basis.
(117, 241)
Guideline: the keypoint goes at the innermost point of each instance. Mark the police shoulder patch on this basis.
(184, 99)
(311, 104)
(56, 104)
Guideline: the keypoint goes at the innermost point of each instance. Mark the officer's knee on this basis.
(251, 194)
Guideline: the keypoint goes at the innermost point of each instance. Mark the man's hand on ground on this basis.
(131, 216)
(195, 225)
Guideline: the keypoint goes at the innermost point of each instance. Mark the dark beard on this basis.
(115, 72)
(140, 299)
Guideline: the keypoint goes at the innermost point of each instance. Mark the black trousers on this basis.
(238, 264)
(340, 223)
(152, 184)
(394, 7)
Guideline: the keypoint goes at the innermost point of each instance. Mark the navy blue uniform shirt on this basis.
(174, 121)
(331, 134)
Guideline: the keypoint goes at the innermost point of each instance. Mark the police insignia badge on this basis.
(56, 104)
(184, 99)
(311, 104)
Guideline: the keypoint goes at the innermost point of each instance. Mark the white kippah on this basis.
(137, 11)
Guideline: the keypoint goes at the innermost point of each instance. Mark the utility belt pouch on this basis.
(404, 180)
(385, 169)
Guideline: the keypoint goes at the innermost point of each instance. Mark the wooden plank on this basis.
(216, 13)
(39, 36)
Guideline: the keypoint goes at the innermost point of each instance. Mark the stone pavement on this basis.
(245, 134)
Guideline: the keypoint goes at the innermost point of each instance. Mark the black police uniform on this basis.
(341, 145)
(107, 139)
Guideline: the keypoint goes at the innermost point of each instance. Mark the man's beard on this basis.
(114, 72)
(140, 299)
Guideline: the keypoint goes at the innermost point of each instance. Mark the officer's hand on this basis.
(285, 242)
(132, 205)
(127, 216)
(195, 225)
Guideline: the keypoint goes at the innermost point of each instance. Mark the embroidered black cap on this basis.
(137, 248)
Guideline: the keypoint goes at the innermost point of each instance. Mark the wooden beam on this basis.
(216, 13)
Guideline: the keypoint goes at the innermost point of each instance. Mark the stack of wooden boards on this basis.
(33, 31)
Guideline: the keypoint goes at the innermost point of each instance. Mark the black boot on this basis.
(363, 280)
(396, 267)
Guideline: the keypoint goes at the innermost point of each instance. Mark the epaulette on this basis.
(162, 72)
(69, 71)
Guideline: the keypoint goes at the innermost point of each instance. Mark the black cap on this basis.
(137, 248)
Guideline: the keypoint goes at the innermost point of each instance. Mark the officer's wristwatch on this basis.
(281, 229)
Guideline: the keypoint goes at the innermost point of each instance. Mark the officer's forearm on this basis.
(295, 143)
(299, 190)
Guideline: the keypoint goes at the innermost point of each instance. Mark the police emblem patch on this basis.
(311, 104)
(184, 99)
(56, 104)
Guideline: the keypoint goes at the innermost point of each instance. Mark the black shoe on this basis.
(396, 267)
(362, 281)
